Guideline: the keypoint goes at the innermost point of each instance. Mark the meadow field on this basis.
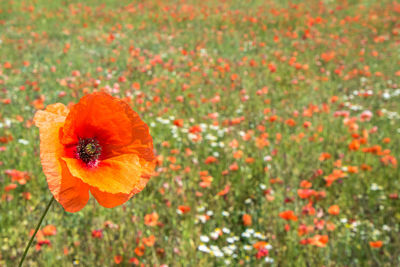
(275, 125)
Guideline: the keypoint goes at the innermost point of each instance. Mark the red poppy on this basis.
(319, 240)
(140, 250)
(101, 145)
(247, 220)
(224, 191)
(184, 209)
(118, 259)
(376, 244)
(334, 210)
(49, 230)
(149, 241)
(151, 219)
(288, 215)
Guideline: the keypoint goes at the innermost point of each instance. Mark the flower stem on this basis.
(36, 230)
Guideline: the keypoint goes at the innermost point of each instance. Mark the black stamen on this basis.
(88, 150)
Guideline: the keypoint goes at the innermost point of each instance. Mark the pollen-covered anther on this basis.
(88, 150)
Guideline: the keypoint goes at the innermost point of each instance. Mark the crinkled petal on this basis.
(73, 193)
(109, 200)
(108, 119)
(119, 174)
(144, 150)
(69, 191)
(52, 114)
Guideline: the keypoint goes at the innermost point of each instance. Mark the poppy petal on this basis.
(99, 115)
(69, 191)
(109, 200)
(53, 113)
(141, 144)
(114, 175)
(73, 193)
(144, 150)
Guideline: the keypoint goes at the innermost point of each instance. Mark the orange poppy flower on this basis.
(260, 245)
(324, 156)
(334, 210)
(49, 230)
(151, 219)
(288, 215)
(184, 209)
(247, 220)
(376, 244)
(101, 145)
(118, 259)
(319, 240)
(140, 250)
(149, 241)
(224, 191)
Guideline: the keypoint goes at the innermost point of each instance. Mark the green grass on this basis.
(203, 45)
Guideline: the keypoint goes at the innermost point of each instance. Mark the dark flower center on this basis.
(88, 150)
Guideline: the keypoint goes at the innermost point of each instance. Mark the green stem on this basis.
(36, 230)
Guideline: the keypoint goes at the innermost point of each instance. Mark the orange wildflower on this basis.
(249, 160)
(288, 215)
(334, 210)
(7, 65)
(330, 226)
(183, 209)
(140, 250)
(206, 181)
(335, 175)
(149, 241)
(352, 169)
(305, 193)
(354, 145)
(324, 156)
(319, 240)
(10, 187)
(19, 176)
(210, 159)
(101, 145)
(276, 181)
(290, 122)
(234, 167)
(376, 244)
(304, 229)
(151, 219)
(224, 191)
(246, 220)
(388, 159)
(49, 230)
(238, 154)
(305, 184)
(259, 245)
(117, 259)
(27, 195)
(178, 122)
